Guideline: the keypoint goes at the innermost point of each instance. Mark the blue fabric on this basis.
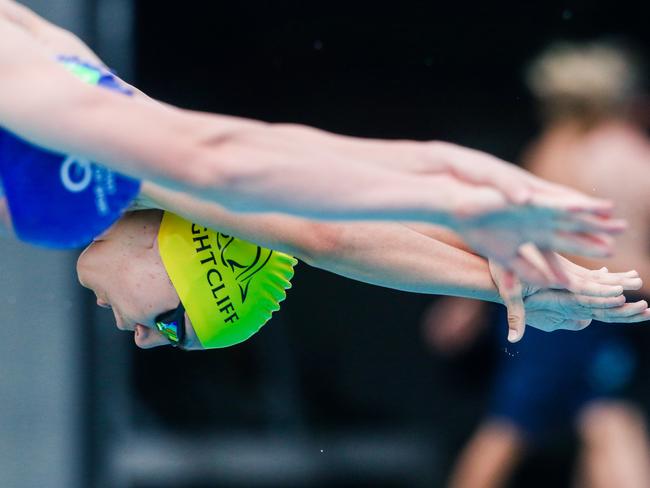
(545, 380)
(60, 201)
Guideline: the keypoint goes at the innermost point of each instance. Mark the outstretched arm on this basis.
(244, 164)
(254, 166)
(384, 254)
(396, 256)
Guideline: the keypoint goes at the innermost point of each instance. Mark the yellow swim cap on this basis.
(229, 287)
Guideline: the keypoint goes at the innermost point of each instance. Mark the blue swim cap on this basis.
(57, 200)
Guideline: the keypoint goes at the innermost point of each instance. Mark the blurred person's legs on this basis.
(547, 384)
(490, 457)
(615, 450)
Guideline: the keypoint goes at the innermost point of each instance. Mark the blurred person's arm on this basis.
(451, 324)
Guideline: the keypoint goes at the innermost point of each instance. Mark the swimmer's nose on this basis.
(146, 338)
(103, 303)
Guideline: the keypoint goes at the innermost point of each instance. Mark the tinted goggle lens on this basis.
(172, 325)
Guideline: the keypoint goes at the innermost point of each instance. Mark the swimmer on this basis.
(253, 166)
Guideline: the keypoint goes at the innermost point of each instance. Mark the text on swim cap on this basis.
(213, 276)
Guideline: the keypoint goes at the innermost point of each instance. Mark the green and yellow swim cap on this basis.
(229, 287)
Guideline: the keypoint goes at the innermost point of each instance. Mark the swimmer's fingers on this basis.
(640, 317)
(594, 246)
(528, 272)
(599, 282)
(600, 302)
(628, 313)
(592, 288)
(612, 309)
(590, 225)
(541, 268)
(582, 281)
(571, 201)
(511, 292)
(550, 260)
(604, 285)
(629, 280)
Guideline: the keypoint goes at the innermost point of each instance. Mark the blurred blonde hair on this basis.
(586, 81)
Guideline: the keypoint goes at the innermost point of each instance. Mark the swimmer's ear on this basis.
(511, 292)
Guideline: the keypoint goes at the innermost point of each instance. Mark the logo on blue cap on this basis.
(57, 200)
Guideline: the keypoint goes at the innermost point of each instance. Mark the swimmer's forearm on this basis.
(243, 164)
(389, 255)
(394, 256)
(441, 234)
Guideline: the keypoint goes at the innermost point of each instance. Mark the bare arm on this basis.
(396, 256)
(248, 165)
(384, 254)
(244, 164)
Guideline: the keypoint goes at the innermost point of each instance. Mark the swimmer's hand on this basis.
(589, 294)
(499, 207)
(517, 185)
(498, 230)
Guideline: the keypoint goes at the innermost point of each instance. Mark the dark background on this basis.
(344, 357)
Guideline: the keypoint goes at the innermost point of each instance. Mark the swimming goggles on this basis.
(171, 324)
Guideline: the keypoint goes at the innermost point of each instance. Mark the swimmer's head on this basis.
(228, 287)
(585, 81)
(125, 269)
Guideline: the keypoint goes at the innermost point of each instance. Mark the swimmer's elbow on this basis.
(223, 166)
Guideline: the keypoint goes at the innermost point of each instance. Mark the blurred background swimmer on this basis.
(593, 106)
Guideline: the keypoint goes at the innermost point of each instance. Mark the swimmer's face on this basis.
(124, 269)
